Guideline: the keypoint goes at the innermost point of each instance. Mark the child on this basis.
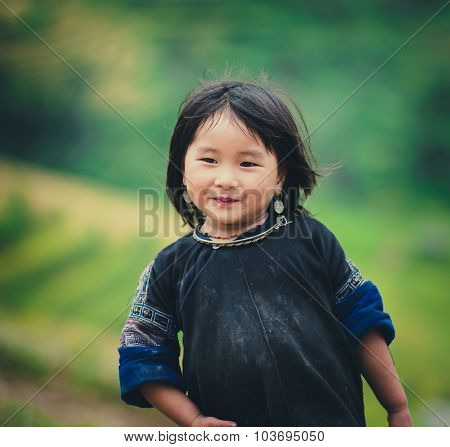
(278, 324)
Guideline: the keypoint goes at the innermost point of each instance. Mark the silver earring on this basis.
(186, 197)
(278, 205)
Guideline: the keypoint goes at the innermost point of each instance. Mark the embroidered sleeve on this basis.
(361, 311)
(359, 306)
(149, 349)
(357, 302)
(351, 282)
(148, 324)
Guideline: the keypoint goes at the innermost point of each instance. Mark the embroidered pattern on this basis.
(132, 337)
(354, 280)
(142, 286)
(154, 317)
(146, 324)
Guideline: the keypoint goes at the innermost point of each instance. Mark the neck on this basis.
(216, 229)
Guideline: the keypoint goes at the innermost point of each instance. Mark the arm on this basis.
(358, 306)
(171, 401)
(378, 369)
(149, 369)
(178, 407)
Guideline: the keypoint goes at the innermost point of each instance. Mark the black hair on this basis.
(264, 114)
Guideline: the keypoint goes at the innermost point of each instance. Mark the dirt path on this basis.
(71, 408)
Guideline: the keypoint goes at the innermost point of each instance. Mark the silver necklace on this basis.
(281, 221)
(233, 235)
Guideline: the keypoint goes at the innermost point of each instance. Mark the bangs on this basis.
(237, 120)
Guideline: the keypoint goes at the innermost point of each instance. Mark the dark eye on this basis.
(208, 160)
(248, 163)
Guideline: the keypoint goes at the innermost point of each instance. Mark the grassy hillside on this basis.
(69, 264)
(70, 259)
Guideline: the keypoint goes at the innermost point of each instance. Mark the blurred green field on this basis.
(69, 263)
(143, 58)
(70, 260)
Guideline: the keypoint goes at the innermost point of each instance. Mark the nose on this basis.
(226, 179)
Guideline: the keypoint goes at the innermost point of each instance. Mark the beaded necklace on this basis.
(281, 221)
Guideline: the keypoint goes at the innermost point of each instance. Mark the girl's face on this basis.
(229, 176)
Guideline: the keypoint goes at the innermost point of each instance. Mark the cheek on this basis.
(262, 187)
(195, 175)
(198, 186)
(198, 181)
(256, 198)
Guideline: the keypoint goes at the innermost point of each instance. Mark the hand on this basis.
(207, 421)
(400, 418)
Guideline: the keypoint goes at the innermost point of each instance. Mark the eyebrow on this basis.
(255, 153)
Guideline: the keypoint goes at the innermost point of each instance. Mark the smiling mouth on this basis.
(224, 200)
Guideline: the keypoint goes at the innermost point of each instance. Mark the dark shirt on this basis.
(270, 329)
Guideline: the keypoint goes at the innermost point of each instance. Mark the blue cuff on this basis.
(361, 311)
(140, 364)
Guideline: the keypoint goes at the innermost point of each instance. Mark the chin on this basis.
(222, 217)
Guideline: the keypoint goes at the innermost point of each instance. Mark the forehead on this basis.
(223, 131)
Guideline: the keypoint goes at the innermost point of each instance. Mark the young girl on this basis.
(278, 324)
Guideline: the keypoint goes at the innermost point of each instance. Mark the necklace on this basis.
(281, 221)
(228, 237)
(220, 237)
(233, 235)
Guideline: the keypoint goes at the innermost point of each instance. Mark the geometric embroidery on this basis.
(155, 317)
(144, 280)
(146, 324)
(131, 338)
(352, 282)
